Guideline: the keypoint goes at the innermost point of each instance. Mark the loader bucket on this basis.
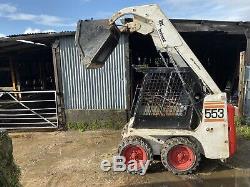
(95, 41)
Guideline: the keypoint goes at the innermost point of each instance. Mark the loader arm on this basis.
(149, 19)
(96, 40)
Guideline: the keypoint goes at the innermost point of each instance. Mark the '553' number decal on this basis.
(214, 113)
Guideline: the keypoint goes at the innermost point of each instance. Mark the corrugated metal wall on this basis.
(93, 89)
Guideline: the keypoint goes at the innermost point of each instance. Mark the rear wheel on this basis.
(135, 148)
(180, 155)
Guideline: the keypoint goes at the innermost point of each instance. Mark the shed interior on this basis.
(27, 86)
(219, 53)
(25, 65)
(28, 70)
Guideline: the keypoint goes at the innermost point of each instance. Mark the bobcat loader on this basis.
(180, 113)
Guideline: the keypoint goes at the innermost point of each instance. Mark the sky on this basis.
(31, 16)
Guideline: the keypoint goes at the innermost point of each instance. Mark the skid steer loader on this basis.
(179, 113)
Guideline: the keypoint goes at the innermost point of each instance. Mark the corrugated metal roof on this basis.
(61, 33)
(17, 42)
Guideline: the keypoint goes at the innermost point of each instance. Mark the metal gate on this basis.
(28, 110)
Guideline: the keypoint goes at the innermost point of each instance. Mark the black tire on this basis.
(133, 141)
(191, 159)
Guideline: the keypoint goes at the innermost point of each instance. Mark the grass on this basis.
(242, 127)
(83, 126)
(244, 131)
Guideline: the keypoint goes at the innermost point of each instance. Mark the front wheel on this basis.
(137, 149)
(180, 156)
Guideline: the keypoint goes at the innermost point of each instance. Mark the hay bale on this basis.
(9, 171)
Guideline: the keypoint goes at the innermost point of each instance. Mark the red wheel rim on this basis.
(135, 152)
(181, 157)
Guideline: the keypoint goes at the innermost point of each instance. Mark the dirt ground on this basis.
(73, 158)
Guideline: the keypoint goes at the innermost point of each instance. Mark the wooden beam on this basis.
(58, 83)
(248, 48)
(18, 81)
(241, 86)
(237, 28)
(12, 71)
(8, 89)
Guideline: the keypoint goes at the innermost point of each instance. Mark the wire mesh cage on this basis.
(163, 93)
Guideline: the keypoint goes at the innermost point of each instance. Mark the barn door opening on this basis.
(28, 95)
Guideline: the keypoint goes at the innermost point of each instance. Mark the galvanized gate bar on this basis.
(34, 109)
(20, 102)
